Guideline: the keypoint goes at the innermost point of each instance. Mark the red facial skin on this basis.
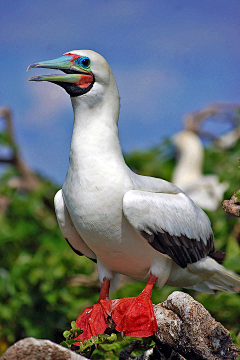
(85, 79)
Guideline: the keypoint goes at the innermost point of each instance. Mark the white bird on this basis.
(143, 227)
(205, 190)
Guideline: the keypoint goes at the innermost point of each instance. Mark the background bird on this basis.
(205, 190)
(143, 227)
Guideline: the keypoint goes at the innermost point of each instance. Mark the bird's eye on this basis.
(83, 61)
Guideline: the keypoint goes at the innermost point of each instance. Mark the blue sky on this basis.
(169, 57)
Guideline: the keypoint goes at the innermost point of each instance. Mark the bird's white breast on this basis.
(96, 211)
(94, 205)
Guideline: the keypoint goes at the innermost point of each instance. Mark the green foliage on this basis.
(103, 345)
(85, 347)
(112, 351)
(71, 335)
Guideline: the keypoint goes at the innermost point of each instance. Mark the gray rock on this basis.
(186, 327)
(34, 349)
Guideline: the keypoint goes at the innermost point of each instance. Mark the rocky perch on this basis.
(186, 331)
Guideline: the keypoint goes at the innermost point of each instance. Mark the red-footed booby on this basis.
(143, 227)
(205, 190)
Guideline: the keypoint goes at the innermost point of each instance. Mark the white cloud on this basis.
(47, 102)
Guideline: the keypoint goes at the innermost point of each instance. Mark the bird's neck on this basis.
(95, 132)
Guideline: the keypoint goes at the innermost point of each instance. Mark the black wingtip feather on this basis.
(182, 249)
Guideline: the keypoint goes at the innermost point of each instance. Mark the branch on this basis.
(221, 111)
(27, 180)
(232, 206)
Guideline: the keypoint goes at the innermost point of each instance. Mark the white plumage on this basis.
(130, 224)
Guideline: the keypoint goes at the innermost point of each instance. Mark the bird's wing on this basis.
(171, 223)
(68, 229)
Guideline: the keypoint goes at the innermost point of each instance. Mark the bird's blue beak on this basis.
(66, 63)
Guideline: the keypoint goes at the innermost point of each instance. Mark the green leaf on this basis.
(73, 325)
(71, 341)
(65, 344)
(66, 333)
(238, 195)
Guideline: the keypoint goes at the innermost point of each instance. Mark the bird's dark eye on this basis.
(83, 62)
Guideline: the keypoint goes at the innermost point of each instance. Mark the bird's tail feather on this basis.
(221, 279)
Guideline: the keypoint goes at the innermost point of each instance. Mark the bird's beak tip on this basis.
(31, 66)
(35, 78)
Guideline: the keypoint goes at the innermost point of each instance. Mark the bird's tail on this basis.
(221, 279)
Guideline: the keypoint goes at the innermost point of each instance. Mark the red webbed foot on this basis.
(135, 316)
(93, 321)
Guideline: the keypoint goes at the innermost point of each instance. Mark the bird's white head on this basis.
(85, 71)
